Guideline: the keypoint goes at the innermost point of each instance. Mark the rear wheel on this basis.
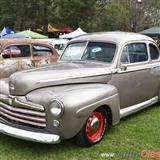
(94, 129)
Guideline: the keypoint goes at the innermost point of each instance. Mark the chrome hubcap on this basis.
(95, 124)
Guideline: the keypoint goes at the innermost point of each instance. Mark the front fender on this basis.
(79, 102)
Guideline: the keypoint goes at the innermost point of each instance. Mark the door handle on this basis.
(123, 68)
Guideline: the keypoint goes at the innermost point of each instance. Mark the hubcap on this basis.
(95, 126)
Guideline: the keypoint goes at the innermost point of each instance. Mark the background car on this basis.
(20, 54)
(58, 44)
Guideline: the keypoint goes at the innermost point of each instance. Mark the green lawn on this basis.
(135, 133)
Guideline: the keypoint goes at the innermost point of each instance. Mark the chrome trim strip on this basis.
(132, 68)
(81, 112)
(22, 120)
(28, 135)
(20, 102)
(24, 111)
(87, 75)
(135, 108)
(4, 98)
(27, 117)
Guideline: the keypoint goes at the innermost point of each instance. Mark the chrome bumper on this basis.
(29, 135)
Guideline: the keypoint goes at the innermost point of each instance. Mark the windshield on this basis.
(98, 51)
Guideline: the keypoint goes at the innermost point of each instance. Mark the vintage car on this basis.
(58, 44)
(20, 54)
(99, 79)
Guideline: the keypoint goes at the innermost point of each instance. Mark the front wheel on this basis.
(94, 129)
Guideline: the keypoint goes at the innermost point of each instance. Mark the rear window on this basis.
(154, 53)
(39, 50)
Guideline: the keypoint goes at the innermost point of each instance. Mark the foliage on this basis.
(27, 14)
(75, 12)
(91, 15)
(111, 16)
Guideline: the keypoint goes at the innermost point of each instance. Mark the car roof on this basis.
(8, 41)
(115, 36)
(21, 40)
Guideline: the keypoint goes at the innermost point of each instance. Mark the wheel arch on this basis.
(110, 104)
(109, 112)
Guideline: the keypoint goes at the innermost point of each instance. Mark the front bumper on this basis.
(29, 135)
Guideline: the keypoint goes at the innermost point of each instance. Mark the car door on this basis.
(133, 79)
(15, 57)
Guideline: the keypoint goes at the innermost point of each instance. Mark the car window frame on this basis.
(136, 63)
(102, 41)
(17, 44)
(43, 45)
(153, 60)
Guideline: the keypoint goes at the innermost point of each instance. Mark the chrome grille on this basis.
(23, 116)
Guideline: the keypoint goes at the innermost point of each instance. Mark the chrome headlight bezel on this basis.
(56, 108)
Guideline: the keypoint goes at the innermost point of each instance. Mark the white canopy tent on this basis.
(73, 34)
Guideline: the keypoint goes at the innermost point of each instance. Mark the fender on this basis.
(79, 102)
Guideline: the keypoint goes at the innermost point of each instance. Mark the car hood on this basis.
(21, 83)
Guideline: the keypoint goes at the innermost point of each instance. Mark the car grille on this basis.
(23, 116)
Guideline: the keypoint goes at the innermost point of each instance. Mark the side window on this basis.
(39, 50)
(153, 52)
(136, 52)
(16, 51)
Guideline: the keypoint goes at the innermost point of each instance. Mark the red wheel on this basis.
(95, 126)
(94, 129)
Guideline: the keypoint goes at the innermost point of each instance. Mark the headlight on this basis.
(56, 108)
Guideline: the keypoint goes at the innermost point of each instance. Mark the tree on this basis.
(6, 15)
(143, 13)
(127, 15)
(91, 15)
(27, 14)
(110, 15)
(75, 13)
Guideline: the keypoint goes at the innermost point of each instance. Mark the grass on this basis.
(134, 133)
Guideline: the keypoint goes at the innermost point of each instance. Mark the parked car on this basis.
(58, 44)
(99, 79)
(20, 54)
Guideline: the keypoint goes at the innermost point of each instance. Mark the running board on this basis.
(135, 108)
